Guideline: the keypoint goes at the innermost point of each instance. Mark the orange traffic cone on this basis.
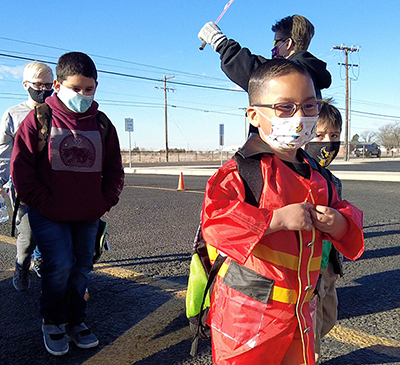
(181, 183)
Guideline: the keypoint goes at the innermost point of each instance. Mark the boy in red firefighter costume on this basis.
(260, 312)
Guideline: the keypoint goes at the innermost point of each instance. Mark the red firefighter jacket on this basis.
(262, 290)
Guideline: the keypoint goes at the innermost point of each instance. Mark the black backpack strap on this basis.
(211, 277)
(250, 171)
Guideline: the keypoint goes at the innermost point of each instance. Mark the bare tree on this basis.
(368, 136)
(389, 136)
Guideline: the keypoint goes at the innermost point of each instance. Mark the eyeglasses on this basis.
(287, 110)
(40, 86)
(279, 40)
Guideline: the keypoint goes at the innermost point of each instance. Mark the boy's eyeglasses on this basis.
(279, 40)
(287, 110)
(40, 86)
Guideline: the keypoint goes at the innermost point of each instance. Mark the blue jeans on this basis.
(67, 252)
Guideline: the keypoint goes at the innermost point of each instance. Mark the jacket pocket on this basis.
(241, 308)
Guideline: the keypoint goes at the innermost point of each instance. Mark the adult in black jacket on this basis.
(293, 35)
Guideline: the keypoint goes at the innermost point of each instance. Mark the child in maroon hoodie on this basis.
(68, 185)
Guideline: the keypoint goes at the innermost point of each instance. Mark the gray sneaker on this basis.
(82, 336)
(55, 339)
(21, 279)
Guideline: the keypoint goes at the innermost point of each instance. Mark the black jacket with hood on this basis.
(238, 64)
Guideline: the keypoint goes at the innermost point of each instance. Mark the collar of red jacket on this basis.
(255, 147)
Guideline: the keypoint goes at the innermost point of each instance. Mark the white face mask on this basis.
(289, 133)
(78, 103)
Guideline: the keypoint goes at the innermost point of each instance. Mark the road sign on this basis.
(221, 134)
(128, 124)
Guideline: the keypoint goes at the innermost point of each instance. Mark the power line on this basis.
(156, 105)
(206, 111)
(369, 103)
(135, 104)
(115, 59)
(130, 76)
(10, 95)
(376, 115)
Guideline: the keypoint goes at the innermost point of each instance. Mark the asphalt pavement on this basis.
(137, 290)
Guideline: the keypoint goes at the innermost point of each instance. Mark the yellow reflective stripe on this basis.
(212, 253)
(312, 197)
(309, 295)
(223, 269)
(283, 259)
(284, 295)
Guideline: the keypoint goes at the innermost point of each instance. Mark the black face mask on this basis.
(323, 152)
(39, 95)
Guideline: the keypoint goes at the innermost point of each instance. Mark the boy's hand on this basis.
(211, 34)
(293, 217)
(330, 221)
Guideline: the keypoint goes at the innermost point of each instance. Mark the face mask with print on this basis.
(323, 152)
(289, 133)
(74, 101)
(39, 95)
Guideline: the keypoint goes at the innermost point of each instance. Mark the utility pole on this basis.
(165, 111)
(346, 51)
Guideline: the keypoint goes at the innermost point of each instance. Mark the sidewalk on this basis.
(343, 173)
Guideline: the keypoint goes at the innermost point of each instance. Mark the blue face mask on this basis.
(74, 101)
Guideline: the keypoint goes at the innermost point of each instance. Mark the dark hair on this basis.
(75, 63)
(275, 68)
(298, 28)
(329, 115)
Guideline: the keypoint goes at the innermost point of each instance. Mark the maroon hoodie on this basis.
(78, 176)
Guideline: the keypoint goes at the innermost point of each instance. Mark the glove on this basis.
(211, 34)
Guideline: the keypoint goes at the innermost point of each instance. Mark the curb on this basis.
(210, 170)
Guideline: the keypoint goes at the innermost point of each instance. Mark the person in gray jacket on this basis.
(38, 83)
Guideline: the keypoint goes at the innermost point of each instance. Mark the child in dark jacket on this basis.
(293, 35)
(260, 311)
(68, 183)
(324, 149)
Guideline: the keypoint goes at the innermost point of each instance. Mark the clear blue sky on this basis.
(153, 38)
